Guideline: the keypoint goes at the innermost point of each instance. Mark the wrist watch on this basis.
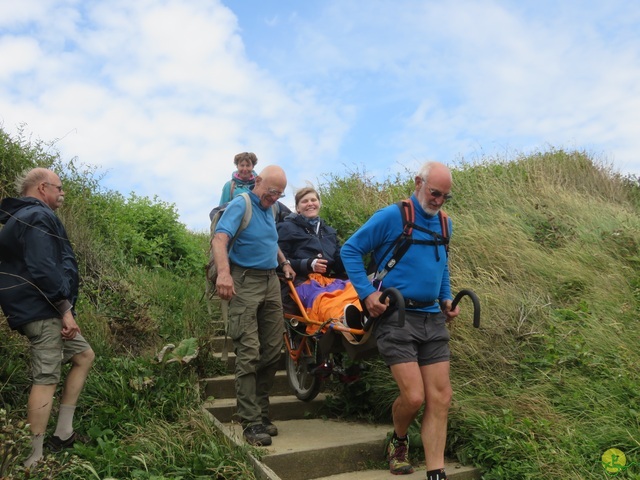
(286, 262)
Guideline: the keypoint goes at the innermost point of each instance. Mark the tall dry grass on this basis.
(551, 244)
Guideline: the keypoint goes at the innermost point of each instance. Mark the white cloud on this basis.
(163, 93)
(160, 94)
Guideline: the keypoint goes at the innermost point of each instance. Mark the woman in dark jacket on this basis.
(313, 249)
(307, 241)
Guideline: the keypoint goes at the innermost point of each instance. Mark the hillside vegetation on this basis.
(550, 242)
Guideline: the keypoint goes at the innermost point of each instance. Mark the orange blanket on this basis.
(325, 298)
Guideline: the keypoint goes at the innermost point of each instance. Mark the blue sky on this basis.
(161, 94)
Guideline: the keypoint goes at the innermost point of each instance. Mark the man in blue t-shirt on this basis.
(247, 281)
(418, 353)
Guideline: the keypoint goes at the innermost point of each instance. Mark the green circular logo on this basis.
(614, 460)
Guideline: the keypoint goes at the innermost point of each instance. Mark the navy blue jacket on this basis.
(301, 244)
(38, 270)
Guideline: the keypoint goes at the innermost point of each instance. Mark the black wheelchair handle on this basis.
(476, 304)
(395, 300)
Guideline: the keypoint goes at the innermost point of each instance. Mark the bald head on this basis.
(29, 180)
(270, 185)
(43, 184)
(273, 173)
(435, 171)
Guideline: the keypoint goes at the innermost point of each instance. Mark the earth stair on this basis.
(310, 446)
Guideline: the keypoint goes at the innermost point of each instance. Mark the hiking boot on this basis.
(269, 427)
(398, 455)
(256, 435)
(56, 444)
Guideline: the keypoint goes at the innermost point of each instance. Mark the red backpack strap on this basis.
(408, 215)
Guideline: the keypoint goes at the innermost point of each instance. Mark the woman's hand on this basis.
(319, 265)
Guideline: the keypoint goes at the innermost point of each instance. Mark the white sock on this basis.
(36, 450)
(64, 429)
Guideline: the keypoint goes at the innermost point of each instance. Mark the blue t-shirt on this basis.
(418, 275)
(257, 245)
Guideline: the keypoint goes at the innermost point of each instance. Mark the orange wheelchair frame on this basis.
(312, 358)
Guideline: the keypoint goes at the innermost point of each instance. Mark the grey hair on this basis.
(29, 179)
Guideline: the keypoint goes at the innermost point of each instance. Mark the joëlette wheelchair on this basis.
(314, 358)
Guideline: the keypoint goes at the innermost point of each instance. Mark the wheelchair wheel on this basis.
(305, 385)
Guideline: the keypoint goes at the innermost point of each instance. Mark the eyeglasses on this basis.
(59, 187)
(272, 192)
(437, 193)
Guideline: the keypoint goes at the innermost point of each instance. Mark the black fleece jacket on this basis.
(301, 244)
(38, 269)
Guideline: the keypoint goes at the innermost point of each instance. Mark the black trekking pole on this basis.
(476, 304)
(396, 300)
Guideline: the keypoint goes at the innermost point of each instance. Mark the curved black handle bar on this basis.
(395, 300)
(476, 304)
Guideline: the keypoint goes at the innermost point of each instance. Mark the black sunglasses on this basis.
(437, 194)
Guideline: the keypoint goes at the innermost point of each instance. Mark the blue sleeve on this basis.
(226, 193)
(231, 218)
(371, 237)
(445, 287)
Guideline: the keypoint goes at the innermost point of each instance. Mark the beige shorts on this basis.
(49, 351)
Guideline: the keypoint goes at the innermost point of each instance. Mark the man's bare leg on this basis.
(73, 385)
(406, 406)
(38, 413)
(438, 395)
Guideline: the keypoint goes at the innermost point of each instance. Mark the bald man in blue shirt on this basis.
(247, 281)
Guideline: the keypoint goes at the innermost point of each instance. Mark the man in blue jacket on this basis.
(38, 291)
(418, 353)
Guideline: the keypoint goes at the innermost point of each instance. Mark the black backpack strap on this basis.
(401, 244)
(444, 226)
(405, 239)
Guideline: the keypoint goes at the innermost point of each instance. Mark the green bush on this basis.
(20, 154)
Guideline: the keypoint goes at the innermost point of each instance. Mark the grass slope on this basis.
(550, 242)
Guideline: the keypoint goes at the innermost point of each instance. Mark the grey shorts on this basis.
(49, 351)
(423, 339)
